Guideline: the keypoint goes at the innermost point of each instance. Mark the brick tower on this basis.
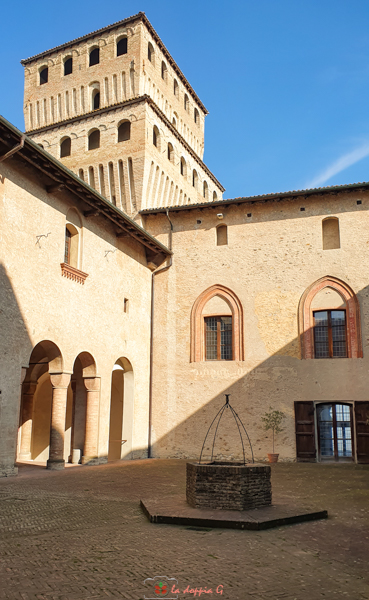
(116, 109)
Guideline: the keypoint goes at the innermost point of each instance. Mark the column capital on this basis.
(92, 384)
(60, 380)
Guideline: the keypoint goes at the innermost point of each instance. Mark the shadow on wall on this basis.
(279, 382)
(15, 349)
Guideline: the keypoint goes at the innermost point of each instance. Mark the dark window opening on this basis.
(196, 116)
(150, 52)
(94, 57)
(163, 70)
(175, 88)
(94, 140)
(124, 131)
(183, 167)
(68, 237)
(122, 46)
(65, 147)
(170, 152)
(218, 338)
(330, 334)
(68, 66)
(96, 101)
(44, 75)
(186, 102)
(155, 136)
(222, 235)
(358, 202)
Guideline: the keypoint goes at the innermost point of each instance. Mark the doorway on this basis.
(335, 426)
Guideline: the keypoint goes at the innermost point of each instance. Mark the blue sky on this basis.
(286, 82)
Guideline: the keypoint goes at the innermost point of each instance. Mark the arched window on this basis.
(164, 71)
(155, 136)
(222, 235)
(174, 122)
(186, 102)
(217, 326)
(71, 246)
(94, 56)
(91, 177)
(44, 75)
(215, 197)
(95, 99)
(124, 131)
(183, 167)
(331, 233)
(170, 152)
(196, 116)
(94, 140)
(150, 52)
(205, 190)
(65, 147)
(81, 174)
(329, 321)
(122, 46)
(175, 88)
(68, 66)
(194, 178)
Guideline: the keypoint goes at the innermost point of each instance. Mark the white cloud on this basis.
(340, 165)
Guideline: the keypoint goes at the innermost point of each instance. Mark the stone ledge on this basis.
(73, 273)
(175, 511)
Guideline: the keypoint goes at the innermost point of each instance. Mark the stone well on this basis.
(228, 486)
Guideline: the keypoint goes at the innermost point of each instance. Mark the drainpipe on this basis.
(14, 150)
(168, 265)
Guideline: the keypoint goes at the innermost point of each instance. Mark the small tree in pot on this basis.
(272, 420)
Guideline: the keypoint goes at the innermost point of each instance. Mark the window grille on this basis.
(218, 338)
(330, 334)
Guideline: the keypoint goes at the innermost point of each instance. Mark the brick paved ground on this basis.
(80, 534)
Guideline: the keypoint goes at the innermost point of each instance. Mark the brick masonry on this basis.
(228, 486)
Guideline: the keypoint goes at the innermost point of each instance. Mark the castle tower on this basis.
(116, 109)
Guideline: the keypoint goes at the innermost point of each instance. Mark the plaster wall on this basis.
(38, 303)
(271, 258)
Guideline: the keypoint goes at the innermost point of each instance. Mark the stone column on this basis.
(28, 392)
(60, 383)
(92, 385)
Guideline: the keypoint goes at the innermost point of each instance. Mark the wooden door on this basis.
(362, 431)
(305, 431)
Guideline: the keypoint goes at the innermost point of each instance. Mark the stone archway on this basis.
(121, 410)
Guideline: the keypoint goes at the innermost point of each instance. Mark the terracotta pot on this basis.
(273, 458)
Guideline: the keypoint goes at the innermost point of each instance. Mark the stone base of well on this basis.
(228, 486)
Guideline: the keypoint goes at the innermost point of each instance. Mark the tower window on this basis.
(150, 52)
(330, 334)
(170, 152)
(194, 178)
(122, 46)
(164, 71)
(196, 116)
(68, 66)
(174, 122)
(94, 57)
(65, 147)
(183, 167)
(44, 75)
(186, 102)
(155, 136)
(215, 197)
(222, 235)
(95, 99)
(175, 88)
(205, 190)
(94, 140)
(124, 131)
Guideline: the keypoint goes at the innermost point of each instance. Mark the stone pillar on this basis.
(28, 392)
(60, 383)
(92, 385)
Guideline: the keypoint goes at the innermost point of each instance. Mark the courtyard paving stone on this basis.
(80, 534)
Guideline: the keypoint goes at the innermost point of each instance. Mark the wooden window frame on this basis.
(219, 336)
(306, 321)
(335, 457)
(330, 336)
(197, 322)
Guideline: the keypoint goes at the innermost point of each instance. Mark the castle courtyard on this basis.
(80, 534)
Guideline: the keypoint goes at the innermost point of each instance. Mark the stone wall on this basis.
(228, 486)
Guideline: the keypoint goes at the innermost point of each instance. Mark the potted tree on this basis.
(272, 420)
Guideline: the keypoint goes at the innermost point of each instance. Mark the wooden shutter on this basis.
(362, 431)
(305, 432)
